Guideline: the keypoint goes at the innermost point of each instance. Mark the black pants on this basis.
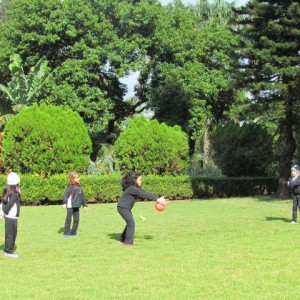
(296, 205)
(72, 212)
(11, 230)
(127, 236)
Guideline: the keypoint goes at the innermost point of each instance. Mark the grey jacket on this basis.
(76, 196)
(294, 184)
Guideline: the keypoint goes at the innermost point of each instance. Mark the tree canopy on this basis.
(269, 69)
(187, 76)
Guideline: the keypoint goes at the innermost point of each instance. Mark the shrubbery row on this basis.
(37, 190)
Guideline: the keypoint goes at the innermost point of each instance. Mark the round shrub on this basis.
(46, 140)
(151, 148)
(242, 150)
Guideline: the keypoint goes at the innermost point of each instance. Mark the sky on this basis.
(131, 80)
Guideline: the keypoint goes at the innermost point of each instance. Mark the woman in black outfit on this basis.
(131, 185)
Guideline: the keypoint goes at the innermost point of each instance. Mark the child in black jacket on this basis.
(73, 200)
(11, 203)
(294, 184)
(131, 185)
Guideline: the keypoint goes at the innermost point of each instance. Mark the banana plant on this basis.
(24, 89)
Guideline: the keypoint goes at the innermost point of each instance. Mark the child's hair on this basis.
(7, 192)
(130, 179)
(73, 175)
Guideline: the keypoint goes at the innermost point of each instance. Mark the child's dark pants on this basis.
(11, 230)
(296, 205)
(72, 212)
(127, 237)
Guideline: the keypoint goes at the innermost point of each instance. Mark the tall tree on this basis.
(269, 59)
(186, 78)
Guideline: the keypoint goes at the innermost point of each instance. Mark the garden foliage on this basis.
(152, 148)
(46, 140)
(242, 150)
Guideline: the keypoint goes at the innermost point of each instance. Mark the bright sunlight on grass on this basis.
(238, 248)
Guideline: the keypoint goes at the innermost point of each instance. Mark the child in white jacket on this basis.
(11, 203)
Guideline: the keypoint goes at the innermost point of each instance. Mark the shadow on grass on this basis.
(148, 237)
(278, 219)
(60, 230)
(116, 236)
(271, 198)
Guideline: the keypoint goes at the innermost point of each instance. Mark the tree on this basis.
(269, 69)
(46, 140)
(2, 169)
(151, 148)
(187, 75)
(242, 150)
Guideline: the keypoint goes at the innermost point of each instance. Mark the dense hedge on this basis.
(233, 186)
(106, 188)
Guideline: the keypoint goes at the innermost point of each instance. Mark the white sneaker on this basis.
(293, 222)
(13, 255)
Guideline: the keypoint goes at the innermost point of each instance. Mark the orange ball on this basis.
(159, 206)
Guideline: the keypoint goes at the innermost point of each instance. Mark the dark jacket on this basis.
(11, 209)
(131, 194)
(294, 184)
(77, 196)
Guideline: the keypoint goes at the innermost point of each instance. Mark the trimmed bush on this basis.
(152, 148)
(242, 150)
(46, 139)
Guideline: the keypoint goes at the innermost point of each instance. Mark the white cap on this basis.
(13, 179)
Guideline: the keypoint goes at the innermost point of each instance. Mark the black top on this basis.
(131, 194)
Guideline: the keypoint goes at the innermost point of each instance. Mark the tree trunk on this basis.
(99, 138)
(206, 143)
(206, 147)
(285, 147)
(192, 144)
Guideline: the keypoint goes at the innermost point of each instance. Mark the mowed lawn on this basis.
(237, 248)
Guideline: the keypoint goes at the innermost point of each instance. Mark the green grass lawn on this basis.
(238, 248)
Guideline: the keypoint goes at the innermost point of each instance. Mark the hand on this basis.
(64, 206)
(85, 208)
(163, 200)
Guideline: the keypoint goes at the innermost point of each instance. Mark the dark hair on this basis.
(8, 191)
(130, 179)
